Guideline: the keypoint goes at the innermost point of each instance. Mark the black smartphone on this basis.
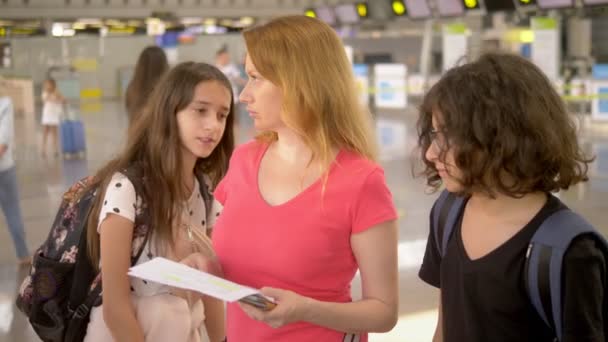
(259, 301)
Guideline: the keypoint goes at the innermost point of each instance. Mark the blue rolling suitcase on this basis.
(73, 143)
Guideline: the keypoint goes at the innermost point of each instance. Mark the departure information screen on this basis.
(500, 5)
(554, 3)
(449, 8)
(326, 14)
(418, 9)
(347, 13)
(595, 2)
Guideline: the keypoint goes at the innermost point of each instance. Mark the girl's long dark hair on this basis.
(154, 146)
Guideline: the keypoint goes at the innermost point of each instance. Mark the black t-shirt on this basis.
(485, 299)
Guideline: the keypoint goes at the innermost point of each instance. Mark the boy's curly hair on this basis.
(508, 128)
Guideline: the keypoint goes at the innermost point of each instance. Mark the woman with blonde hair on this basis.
(305, 204)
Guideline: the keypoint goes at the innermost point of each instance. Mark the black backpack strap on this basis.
(543, 267)
(136, 177)
(84, 273)
(206, 193)
(80, 317)
(444, 216)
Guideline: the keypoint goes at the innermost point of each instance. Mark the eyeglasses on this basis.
(438, 138)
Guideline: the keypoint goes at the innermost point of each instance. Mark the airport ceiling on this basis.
(14, 9)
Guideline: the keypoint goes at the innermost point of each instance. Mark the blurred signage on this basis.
(599, 110)
(361, 72)
(546, 46)
(6, 57)
(455, 42)
(600, 71)
(390, 85)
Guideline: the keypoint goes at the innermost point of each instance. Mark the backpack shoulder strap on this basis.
(136, 177)
(543, 266)
(204, 187)
(444, 216)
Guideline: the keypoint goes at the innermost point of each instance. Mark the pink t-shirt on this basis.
(302, 245)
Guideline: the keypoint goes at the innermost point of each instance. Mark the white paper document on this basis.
(167, 272)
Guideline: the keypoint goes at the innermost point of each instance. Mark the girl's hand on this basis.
(291, 307)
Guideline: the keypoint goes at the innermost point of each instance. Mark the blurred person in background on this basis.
(151, 65)
(9, 193)
(223, 62)
(52, 110)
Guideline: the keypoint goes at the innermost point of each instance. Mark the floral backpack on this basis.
(63, 287)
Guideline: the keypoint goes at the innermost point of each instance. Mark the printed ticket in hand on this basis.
(171, 273)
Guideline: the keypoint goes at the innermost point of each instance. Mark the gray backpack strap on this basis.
(543, 267)
(444, 216)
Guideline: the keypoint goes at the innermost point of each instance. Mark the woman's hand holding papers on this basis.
(291, 307)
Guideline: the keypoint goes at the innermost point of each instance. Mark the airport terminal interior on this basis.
(398, 50)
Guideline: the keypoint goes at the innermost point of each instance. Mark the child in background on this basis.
(52, 109)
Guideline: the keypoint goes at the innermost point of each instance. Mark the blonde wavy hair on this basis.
(306, 59)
